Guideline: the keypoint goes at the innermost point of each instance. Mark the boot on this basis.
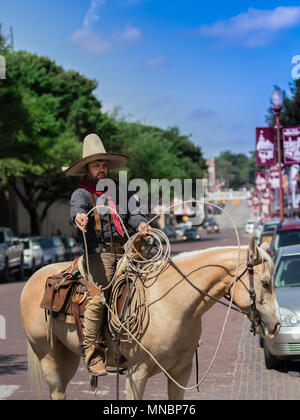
(94, 314)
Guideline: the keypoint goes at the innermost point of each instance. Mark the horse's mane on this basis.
(265, 256)
(201, 251)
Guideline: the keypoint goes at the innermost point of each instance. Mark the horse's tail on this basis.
(35, 375)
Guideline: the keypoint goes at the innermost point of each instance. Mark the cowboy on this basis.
(105, 236)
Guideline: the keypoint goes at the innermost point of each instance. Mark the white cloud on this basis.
(91, 16)
(158, 61)
(253, 28)
(129, 35)
(95, 44)
(91, 42)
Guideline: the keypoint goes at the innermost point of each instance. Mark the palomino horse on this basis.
(175, 309)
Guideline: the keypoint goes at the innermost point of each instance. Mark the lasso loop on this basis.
(151, 266)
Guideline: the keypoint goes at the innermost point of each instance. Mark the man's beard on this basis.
(95, 179)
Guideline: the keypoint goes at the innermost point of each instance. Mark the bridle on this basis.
(254, 314)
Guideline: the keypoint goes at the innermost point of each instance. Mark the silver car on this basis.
(249, 227)
(33, 254)
(53, 248)
(286, 346)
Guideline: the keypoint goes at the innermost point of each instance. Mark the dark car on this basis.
(212, 226)
(170, 231)
(287, 233)
(11, 255)
(268, 229)
(191, 234)
(53, 247)
(72, 249)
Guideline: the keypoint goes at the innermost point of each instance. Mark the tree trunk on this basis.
(35, 222)
(31, 206)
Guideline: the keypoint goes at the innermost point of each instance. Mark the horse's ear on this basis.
(265, 246)
(253, 250)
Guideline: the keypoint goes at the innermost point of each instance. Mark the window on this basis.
(269, 227)
(46, 242)
(9, 235)
(26, 244)
(287, 274)
(286, 238)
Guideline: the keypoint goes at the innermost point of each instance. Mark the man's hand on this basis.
(81, 221)
(143, 229)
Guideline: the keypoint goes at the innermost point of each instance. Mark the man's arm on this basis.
(79, 207)
(137, 219)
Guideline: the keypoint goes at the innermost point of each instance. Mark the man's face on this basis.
(97, 170)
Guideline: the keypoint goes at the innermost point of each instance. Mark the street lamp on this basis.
(277, 101)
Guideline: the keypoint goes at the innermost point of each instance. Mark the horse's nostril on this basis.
(277, 328)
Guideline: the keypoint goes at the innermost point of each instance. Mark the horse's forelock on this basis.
(265, 256)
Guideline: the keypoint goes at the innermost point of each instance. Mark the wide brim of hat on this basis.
(116, 160)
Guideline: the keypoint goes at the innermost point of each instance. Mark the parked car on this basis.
(33, 254)
(287, 233)
(249, 227)
(207, 221)
(180, 229)
(268, 229)
(72, 249)
(257, 232)
(53, 248)
(11, 255)
(212, 226)
(286, 346)
(170, 231)
(191, 234)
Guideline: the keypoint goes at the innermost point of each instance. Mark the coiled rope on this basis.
(122, 325)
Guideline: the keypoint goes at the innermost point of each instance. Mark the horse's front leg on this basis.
(135, 382)
(181, 374)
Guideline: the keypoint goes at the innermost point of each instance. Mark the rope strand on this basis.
(156, 263)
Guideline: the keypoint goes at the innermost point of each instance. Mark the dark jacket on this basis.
(81, 202)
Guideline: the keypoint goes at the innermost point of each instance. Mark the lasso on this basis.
(156, 264)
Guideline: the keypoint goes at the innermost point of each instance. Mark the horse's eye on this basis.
(266, 284)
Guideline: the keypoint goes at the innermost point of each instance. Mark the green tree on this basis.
(46, 112)
(236, 169)
(290, 113)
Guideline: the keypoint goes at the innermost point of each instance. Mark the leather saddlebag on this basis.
(58, 292)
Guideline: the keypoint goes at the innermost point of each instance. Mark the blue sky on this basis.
(207, 67)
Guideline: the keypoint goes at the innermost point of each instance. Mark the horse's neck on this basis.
(211, 271)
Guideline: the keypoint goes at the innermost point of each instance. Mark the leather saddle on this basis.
(66, 293)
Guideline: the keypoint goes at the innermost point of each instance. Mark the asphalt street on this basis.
(238, 372)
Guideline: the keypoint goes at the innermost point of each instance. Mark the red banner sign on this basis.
(261, 181)
(273, 178)
(265, 146)
(291, 145)
(255, 199)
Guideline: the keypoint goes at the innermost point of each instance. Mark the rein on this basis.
(255, 316)
(166, 259)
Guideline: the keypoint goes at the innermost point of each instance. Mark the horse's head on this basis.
(265, 310)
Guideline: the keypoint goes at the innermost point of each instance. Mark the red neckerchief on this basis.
(89, 186)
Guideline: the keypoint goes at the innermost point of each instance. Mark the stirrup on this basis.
(96, 359)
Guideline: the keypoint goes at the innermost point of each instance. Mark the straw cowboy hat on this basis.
(93, 149)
